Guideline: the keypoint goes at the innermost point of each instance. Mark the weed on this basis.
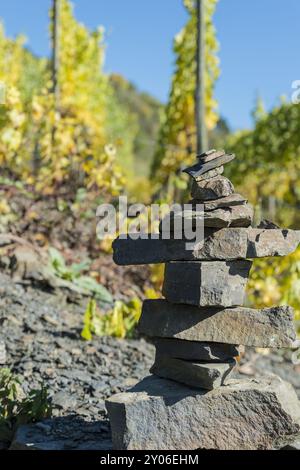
(73, 276)
(119, 322)
(16, 408)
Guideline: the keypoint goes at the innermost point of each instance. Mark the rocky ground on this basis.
(41, 333)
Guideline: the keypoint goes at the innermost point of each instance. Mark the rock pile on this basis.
(191, 400)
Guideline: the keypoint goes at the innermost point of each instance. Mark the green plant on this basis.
(35, 407)
(73, 277)
(119, 322)
(16, 408)
(68, 273)
(267, 162)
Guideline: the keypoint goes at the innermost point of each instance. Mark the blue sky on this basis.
(259, 44)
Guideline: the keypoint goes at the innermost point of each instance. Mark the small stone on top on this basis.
(211, 155)
(208, 162)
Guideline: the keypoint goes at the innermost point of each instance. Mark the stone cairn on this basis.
(191, 400)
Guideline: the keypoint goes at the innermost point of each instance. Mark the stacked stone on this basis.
(207, 284)
(197, 328)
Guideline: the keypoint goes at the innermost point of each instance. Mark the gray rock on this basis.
(213, 283)
(243, 415)
(63, 400)
(211, 155)
(206, 376)
(240, 216)
(195, 351)
(211, 174)
(2, 353)
(267, 224)
(229, 201)
(202, 167)
(275, 362)
(266, 328)
(151, 251)
(224, 244)
(236, 216)
(213, 188)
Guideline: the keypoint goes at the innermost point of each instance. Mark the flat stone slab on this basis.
(234, 199)
(212, 283)
(235, 216)
(212, 188)
(224, 244)
(160, 414)
(210, 155)
(195, 350)
(266, 328)
(202, 167)
(205, 376)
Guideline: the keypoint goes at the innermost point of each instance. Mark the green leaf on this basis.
(78, 268)
(57, 260)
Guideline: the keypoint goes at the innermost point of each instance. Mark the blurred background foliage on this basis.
(106, 136)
